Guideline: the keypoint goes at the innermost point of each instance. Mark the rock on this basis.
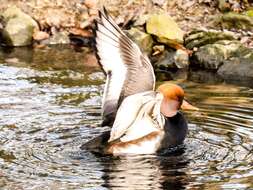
(90, 3)
(81, 37)
(212, 56)
(1, 28)
(17, 33)
(231, 5)
(185, 5)
(3, 181)
(19, 28)
(86, 23)
(172, 60)
(13, 12)
(40, 35)
(143, 39)
(237, 69)
(165, 28)
(157, 49)
(58, 37)
(165, 61)
(198, 38)
(236, 7)
(81, 41)
(181, 59)
(81, 32)
(239, 66)
(141, 20)
(224, 5)
(233, 20)
(1, 23)
(232, 61)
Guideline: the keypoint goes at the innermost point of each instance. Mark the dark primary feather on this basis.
(128, 70)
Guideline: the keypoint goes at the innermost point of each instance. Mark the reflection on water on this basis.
(50, 107)
(145, 172)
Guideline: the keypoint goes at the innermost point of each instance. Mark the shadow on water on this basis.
(50, 105)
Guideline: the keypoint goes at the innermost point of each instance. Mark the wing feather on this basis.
(128, 70)
(128, 112)
(143, 117)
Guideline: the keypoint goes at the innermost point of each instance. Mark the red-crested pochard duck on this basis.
(144, 121)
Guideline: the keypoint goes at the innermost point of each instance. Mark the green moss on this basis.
(249, 13)
(200, 38)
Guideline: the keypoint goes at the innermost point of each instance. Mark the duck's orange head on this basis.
(173, 96)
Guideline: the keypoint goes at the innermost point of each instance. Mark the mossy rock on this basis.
(198, 38)
(234, 20)
(14, 12)
(212, 56)
(17, 33)
(165, 28)
(232, 61)
(165, 61)
(237, 69)
(143, 39)
(170, 60)
(18, 27)
(181, 58)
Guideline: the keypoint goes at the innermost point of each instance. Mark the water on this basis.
(50, 106)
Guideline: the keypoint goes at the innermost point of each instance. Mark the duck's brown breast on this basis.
(148, 144)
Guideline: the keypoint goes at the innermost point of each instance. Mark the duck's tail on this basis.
(97, 144)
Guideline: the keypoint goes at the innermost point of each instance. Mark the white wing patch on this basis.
(128, 112)
(135, 117)
(107, 44)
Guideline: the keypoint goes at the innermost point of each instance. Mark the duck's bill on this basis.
(187, 106)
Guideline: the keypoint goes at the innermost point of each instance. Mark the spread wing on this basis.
(128, 71)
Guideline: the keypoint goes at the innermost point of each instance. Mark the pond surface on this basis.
(50, 105)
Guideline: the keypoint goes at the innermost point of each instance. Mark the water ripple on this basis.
(46, 115)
